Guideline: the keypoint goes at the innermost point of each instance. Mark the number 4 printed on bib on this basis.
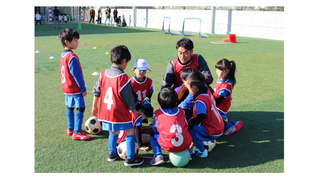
(108, 98)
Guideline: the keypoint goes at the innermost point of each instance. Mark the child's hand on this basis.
(84, 93)
(94, 111)
(144, 148)
(146, 103)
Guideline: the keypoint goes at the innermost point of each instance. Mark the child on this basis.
(142, 86)
(225, 70)
(73, 85)
(170, 127)
(117, 99)
(206, 124)
(65, 19)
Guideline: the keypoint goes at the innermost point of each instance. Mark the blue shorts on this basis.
(106, 126)
(202, 134)
(75, 101)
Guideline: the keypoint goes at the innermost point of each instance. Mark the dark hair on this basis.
(196, 78)
(68, 34)
(167, 98)
(186, 72)
(118, 53)
(185, 43)
(224, 65)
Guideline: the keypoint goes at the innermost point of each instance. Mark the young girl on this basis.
(225, 70)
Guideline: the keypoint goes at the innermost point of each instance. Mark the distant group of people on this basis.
(116, 18)
(58, 17)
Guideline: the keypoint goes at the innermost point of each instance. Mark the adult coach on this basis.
(92, 13)
(186, 58)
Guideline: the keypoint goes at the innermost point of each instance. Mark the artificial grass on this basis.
(258, 100)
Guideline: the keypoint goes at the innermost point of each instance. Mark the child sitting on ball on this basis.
(170, 127)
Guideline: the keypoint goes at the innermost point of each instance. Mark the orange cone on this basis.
(225, 40)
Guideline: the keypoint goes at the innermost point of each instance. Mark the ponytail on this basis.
(231, 74)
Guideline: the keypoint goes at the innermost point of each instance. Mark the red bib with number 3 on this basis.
(173, 131)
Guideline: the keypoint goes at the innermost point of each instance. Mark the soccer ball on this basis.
(93, 126)
(122, 149)
(180, 159)
(209, 145)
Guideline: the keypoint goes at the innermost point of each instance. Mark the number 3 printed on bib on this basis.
(173, 129)
(108, 98)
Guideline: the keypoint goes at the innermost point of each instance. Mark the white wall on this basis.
(259, 24)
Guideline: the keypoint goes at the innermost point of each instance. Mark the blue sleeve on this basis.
(76, 72)
(223, 92)
(200, 108)
(187, 103)
(151, 89)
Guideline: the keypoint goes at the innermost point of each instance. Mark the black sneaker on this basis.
(112, 158)
(135, 161)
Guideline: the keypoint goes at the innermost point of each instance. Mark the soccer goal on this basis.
(166, 27)
(192, 27)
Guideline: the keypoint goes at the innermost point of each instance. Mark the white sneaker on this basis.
(157, 161)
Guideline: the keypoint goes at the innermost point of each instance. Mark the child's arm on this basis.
(201, 112)
(96, 96)
(129, 97)
(222, 94)
(76, 72)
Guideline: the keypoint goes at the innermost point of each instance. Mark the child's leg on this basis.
(155, 146)
(196, 141)
(112, 148)
(70, 118)
(130, 141)
(78, 120)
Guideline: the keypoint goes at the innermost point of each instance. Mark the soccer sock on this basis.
(78, 122)
(155, 147)
(130, 141)
(70, 118)
(196, 141)
(112, 148)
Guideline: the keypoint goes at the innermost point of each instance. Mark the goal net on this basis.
(192, 27)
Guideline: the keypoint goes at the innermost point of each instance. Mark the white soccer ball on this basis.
(93, 125)
(209, 145)
(122, 149)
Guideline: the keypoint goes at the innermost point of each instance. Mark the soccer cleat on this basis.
(134, 162)
(80, 136)
(69, 132)
(112, 157)
(197, 152)
(157, 161)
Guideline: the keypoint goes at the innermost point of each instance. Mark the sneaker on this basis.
(112, 157)
(229, 131)
(80, 136)
(135, 161)
(69, 132)
(157, 161)
(238, 125)
(197, 152)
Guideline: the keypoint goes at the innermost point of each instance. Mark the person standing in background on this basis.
(92, 13)
(56, 14)
(108, 11)
(115, 14)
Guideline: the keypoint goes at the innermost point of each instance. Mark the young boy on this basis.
(206, 123)
(117, 99)
(142, 86)
(170, 127)
(73, 85)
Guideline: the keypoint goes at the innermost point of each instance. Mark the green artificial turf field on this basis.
(258, 100)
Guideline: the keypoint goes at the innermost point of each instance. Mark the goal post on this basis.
(166, 23)
(192, 27)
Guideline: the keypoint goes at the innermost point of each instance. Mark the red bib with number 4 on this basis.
(173, 131)
(112, 107)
